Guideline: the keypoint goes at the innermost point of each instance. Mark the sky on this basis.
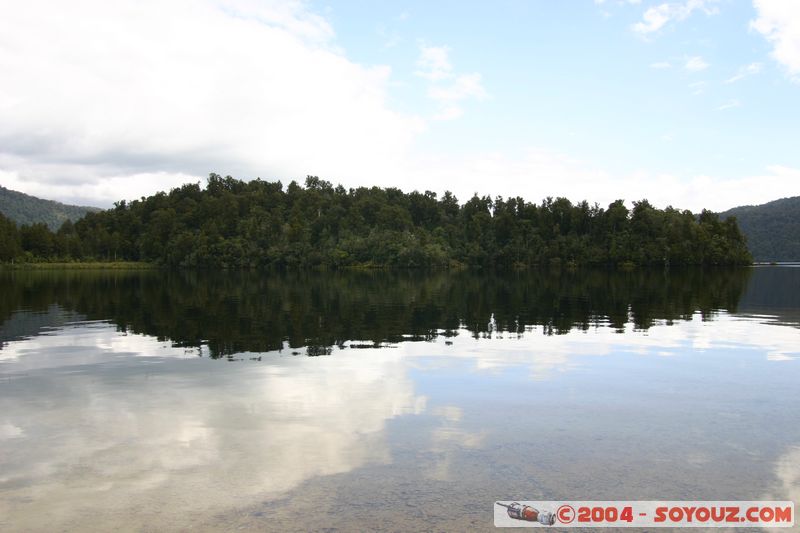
(689, 103)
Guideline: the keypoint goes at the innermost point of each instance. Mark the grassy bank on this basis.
(82, 265)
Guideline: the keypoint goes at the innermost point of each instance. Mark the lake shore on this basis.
(81, 265)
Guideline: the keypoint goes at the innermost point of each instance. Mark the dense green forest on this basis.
(26, 209)
(237, 224)
(772, 229)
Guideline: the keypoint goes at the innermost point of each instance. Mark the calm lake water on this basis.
(152, 401)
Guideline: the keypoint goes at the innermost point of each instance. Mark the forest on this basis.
(26, 209)
(237, 224)
(772, 229)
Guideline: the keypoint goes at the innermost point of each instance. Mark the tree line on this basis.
(236, 224)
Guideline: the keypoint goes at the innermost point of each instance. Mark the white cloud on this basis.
(10, 431)
(779, 22)
(656, 17)
(695, 64)
(730, 104)
(536, 174)
(745, 71)
(290, 15)
(661, 65)
(464, 87)
(133, 89)
(694, 192)
(435, 65)
(390, 38)
(92, 188)
(653, 19)
(143, 96)
(698, 87)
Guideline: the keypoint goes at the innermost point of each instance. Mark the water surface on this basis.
(158, 401)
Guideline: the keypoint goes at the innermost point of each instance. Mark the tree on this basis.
(9, 240)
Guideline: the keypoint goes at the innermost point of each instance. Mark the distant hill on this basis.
(26, 209)
(772, 229)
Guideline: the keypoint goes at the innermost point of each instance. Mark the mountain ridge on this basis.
(25, 209)
(772, 229)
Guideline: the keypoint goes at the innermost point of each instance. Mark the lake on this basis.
(153, 401)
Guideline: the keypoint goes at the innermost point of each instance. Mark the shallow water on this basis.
(151, 401)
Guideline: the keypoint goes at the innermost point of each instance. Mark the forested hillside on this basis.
(26, 209)
(772, 229)
(237, 224)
